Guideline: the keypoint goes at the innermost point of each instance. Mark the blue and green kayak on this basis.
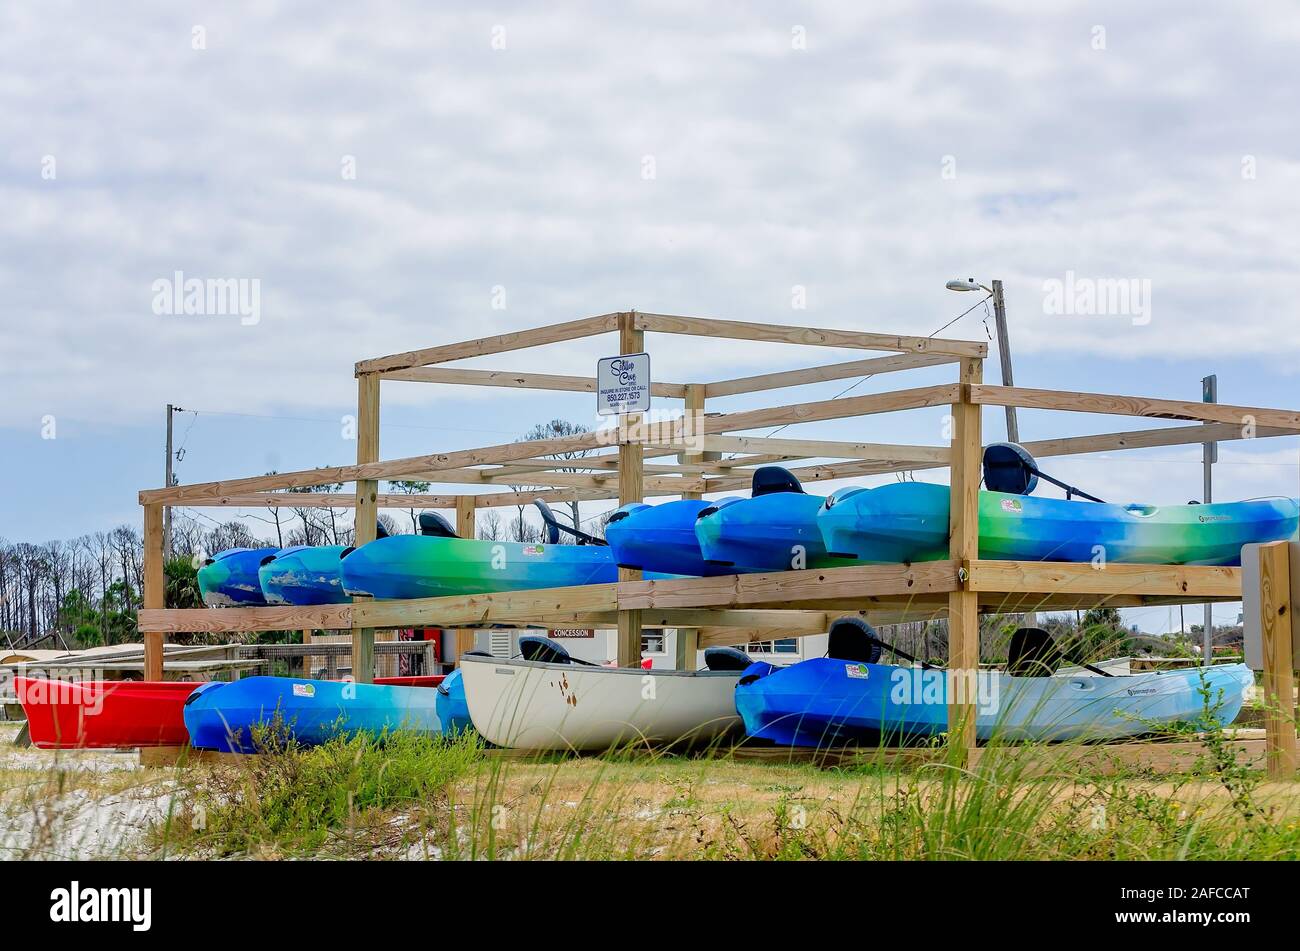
(908, 521)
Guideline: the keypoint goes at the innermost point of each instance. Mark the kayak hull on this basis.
(424, 566)
(222, 716)
(230, 579)
(304, 574)
(776, 532)
(662, 538)
(103, 714)
(828, 702)
(529, 705)
(908, 521)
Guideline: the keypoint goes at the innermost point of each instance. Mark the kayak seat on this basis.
(1009, 468)
(433, 524)
(853, 639)
(726, 658)
(1033, 653)
(769, 480)
(543, 650)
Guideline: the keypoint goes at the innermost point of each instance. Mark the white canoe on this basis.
(531, 705)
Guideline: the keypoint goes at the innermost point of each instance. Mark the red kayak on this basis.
(107, 714)
(104, 714)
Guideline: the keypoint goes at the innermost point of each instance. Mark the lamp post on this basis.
(1004, 344)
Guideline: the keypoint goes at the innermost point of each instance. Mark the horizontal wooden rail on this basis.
(823, 374)
(391, 469)
(1046, 577)
(848, 584)
(523, 381)
(501, 343)
(806, 336)
(329, 617)
(1076, 402)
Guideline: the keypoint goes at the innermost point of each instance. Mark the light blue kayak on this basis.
(229, 578)
(304, 574)
(828, 702)
(221, 716)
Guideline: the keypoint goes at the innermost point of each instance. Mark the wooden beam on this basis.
(805, 336)
(329, 617)
(834, 371)
(522, 381)
(686, 650)
(365, 528)
(154, 595)
(1048, 577)
(1279, 675)
(1146, 439)
(855, 585)
(631, 488)
(391, 469)
(534, 605)
(963, 548)
(501, 343)
(336, 500)
(828, 449)
(1076, 402)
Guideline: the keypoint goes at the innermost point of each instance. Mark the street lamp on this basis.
(1004, 344)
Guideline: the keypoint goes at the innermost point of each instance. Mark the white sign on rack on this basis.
(623, 384)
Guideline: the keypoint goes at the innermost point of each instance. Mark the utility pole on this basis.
(1209, 456)
(1004, 358)
(1004, 355)
(167, 509)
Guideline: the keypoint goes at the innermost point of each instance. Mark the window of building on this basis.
(653, 642)
(785, 647)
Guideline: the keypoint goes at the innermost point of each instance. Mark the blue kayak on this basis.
(829, 702)
(221, 716)
(453, 710)
(661, 538)
(304, 574)
(229, 578)
(767, 533)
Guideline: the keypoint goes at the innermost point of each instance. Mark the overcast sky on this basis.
(396, 176)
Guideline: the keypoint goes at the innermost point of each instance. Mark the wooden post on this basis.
(688, 638)
(367, 512)
(466, 527)
(1279, 662)
(963, 605)
(631, 461)
(306, 658)
(155, 588)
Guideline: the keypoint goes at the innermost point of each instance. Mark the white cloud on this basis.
(522, 168)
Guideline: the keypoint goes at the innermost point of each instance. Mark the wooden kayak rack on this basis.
(738, 608)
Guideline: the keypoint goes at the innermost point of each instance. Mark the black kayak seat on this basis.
(769, 480)
(726, 658)
(1033, 653)
(853, 639)
(543, 650)
(434, 525)
(1008, 467)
